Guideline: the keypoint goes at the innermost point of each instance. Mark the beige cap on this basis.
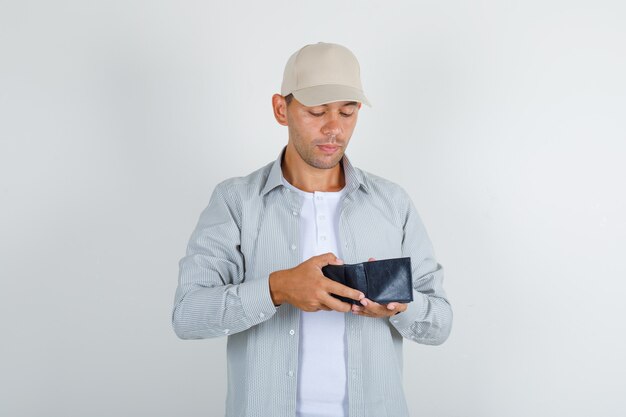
(322, 73)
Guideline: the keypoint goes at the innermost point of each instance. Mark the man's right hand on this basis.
(306, 288)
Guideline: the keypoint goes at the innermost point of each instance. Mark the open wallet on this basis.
(383, 281)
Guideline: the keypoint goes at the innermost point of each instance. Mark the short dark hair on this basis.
(288, 98)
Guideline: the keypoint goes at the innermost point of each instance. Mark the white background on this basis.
(505, 121)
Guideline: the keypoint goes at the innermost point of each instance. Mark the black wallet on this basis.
(383, 281)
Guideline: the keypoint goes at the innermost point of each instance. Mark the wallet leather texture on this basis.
(383, 281)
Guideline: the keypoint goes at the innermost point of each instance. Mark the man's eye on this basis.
(346, 114)
(316, 114)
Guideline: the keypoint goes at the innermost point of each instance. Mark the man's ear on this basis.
(279, 105)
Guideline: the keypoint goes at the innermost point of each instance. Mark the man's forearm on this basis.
(428, 318)
(206, 312)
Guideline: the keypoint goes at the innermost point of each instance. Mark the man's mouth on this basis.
(329, 149)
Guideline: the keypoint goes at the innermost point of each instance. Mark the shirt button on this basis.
(394, 321)
(226, 331)
(290, 373)
(292, 332)
(322, 237)
(262, 315)
(295, 213)
(293, 247)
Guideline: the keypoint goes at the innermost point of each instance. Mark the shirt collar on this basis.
(354, 178)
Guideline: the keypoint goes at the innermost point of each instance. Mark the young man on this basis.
(253, 266)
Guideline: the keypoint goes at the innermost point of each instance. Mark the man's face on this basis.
(320, 134)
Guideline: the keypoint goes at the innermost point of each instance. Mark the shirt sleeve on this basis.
(428, 318)
(214, 296)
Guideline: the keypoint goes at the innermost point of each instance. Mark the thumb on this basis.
(327, 259)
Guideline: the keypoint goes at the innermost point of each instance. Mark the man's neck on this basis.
(307, 178)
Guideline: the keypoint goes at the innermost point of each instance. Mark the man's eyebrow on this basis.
(352, 103)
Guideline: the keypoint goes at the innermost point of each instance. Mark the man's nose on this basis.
(332, 127)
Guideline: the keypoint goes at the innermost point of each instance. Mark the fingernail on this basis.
(339, 261)
(361, 296)
(364, 302)
(391, 306)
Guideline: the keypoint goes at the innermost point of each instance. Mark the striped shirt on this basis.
(250, 229)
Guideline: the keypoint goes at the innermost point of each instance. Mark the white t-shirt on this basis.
(322, 382)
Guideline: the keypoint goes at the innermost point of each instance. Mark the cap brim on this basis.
(329, 93)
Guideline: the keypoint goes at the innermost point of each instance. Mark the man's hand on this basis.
(370, 308)
(306, 288)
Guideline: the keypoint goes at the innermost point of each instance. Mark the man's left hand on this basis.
(371, 308)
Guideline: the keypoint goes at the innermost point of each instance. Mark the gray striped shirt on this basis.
(250, 229)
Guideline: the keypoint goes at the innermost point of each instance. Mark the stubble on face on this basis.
(312, 155)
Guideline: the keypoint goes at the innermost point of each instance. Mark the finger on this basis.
(365, 313)
(335, 304)
(336, 288)
(367, 302)
(361, 311)
(326, 259)
(370, 311)
(371, 259)
(396, 307)
(378, 310)
(356, 308)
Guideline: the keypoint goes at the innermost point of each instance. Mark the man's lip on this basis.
(328, 148)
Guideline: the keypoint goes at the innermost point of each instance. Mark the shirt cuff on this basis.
(256, 300)
(415, 311)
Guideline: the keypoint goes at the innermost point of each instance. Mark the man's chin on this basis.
(327, 163)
